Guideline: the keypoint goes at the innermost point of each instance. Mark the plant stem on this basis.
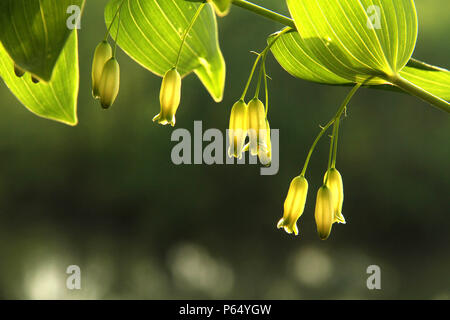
(417, 91)
(324, 129)
(118, 29)
(265, 12)
(262, 73)
(261, 70)
(336, 137)
(266, 88)
(262, 54)
(247, 85)
(112, 22)
(183, 40)
(330, 156)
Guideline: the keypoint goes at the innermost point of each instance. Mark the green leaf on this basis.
(293, 54)
(295, 57)
(151, 33)
(357, 39)
(57, 99)
(34, 32)
(432, 79)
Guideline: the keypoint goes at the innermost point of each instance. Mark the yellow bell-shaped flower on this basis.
(336, 186)
(265, 152)
(102, 54)
(257, 126)
(294, 205)
(169, 97)
(237, 132)
(109, 83)
(324, 213)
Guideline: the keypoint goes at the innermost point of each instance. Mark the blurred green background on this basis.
(105, 196)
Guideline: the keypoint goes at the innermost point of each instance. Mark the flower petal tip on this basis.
(232, 154)
(163, 121)
(291, 229)
(340, 219)
(324, 236)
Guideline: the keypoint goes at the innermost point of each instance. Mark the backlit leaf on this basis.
(151, 33)
(57, 99)
(34, 32)
(295, 57)
(356, 39)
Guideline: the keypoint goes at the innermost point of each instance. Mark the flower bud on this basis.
(257, 126)
(109, 83)
(237, 132)
(34, 80)
(324, 212)
(294, 205)
(102, 54)
(265, 152)
(18, 71)
(169, 97)
(334, 183)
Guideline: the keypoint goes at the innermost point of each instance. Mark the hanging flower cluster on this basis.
(246, 121)
(250, 121)
(329, 201)
(106, 69)
(330, 196)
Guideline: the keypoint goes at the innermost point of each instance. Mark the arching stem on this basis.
(328, 125)
(336, 138)
(183, 40)
(272, 15)
(114, 19)
(262, 55)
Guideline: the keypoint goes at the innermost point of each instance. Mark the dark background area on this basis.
(105, 195)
